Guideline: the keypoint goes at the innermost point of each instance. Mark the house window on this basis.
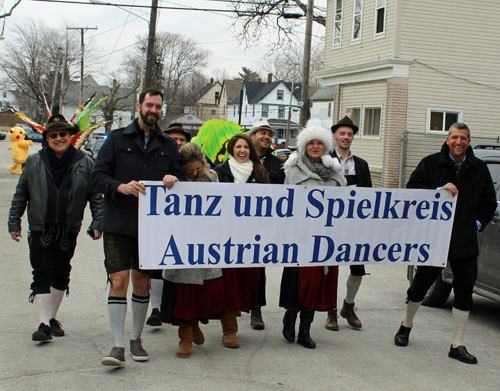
(280, 133)
(212, 112)
(337, 27)
(356, 21)
(372, 122)
(265, 111)
(355, 114)
(329, 109)
(279, 95)
(246, 111)
(217, 96)
(281, 112)
(294, 133)
(5, 94)
(380, 17)
(253, 110)
(224, 110)
(234, 110)
(440, 120)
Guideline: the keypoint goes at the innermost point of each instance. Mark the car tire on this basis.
(437, 294)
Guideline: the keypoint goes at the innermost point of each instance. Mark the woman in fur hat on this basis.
(242, 291)
(310, 289)
(191, 296)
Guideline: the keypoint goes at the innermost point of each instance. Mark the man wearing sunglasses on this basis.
(55, 186)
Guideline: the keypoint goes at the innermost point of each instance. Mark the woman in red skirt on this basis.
(312, 288)
(242, 291)
(191, 296)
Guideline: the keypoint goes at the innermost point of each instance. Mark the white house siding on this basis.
(320, 110)
(456, 62)
(369, 49)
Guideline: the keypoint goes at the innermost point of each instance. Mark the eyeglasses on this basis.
(62, 134)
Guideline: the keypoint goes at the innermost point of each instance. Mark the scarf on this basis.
(241, 171)
(59, 166)
(318, 168)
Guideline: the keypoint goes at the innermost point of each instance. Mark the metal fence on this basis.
(415, 146)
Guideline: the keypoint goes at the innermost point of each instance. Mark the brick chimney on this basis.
(245, 78)
(269, 78)
(211, 80)
(259, 79)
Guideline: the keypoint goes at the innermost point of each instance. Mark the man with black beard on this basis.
(129, 155)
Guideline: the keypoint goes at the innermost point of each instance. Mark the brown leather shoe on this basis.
(347, 312)
(331, 321)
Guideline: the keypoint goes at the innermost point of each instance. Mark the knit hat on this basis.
(346, 121)
(314, 130)
(176, 127)
(262, 124)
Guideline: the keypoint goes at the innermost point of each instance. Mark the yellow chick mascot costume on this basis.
(19, 149)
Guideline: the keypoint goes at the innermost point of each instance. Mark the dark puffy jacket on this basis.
(122, 158)
(476, 196)
(32, 190)
(274, 167)
(224, 173)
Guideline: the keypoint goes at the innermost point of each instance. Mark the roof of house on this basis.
(256, 91)
(201, 92)
(233, 88)
(324, 93)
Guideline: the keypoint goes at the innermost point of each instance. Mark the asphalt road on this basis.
(344, 360)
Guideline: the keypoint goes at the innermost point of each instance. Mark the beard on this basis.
(148, 120)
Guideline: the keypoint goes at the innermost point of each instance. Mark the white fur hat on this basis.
(314, 130)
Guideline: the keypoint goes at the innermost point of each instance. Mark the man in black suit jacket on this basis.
(357, 173)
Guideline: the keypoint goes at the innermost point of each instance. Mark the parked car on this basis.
(3, 136)
(488, 273)
(34, 136)
(94, 146)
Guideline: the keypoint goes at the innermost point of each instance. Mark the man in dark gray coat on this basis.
(138, 152)
(55, 186)
(456, 169)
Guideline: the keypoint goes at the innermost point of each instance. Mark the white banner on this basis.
(252, 225)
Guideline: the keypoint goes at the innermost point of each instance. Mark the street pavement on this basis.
(348, 359)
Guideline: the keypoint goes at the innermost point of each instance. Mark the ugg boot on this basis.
(186, 342)
(289, 325)
(306, 318)
(198, 337)
(230, 328)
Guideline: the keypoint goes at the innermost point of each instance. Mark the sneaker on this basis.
(137, 351)
(42, 334)
(55, 328)
(116, 358)
(154, 319)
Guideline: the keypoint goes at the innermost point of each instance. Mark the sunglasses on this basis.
(62, 134)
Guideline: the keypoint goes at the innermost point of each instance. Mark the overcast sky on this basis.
(118, 28)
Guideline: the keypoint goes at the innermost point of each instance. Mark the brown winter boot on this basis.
(186, 342)
(331, 321)
(230, 328)
(347, 312)
(198, 337)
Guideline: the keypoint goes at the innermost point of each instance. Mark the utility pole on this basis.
(82, 33)
(151, 53)
(287, 138)
(306, 64)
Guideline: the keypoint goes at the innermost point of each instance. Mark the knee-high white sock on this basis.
(460, 319)
(411, 310)
(117, 310)
(57, 296)
(352, 289)
(156, 293)
(139, 311)
(42, 302)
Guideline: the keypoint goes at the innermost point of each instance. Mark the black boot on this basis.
(289, 325)
(306, 318)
